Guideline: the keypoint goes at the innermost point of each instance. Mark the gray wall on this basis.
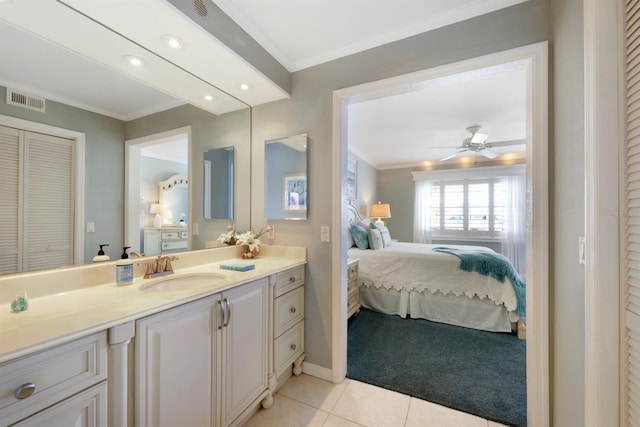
(104, 170)
(366, 185)
(310, 110)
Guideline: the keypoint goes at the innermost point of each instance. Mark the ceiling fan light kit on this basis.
(476, 143)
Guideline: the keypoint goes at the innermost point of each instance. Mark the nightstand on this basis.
(353, 287)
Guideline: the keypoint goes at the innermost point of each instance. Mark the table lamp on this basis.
(156, 208)
(380, 210)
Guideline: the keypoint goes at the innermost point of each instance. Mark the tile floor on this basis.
(307, 401)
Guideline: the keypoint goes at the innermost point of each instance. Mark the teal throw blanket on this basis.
(491, 264)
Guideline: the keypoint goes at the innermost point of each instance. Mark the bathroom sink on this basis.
(181, 282)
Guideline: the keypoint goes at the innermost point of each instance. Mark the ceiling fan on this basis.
(478, 144)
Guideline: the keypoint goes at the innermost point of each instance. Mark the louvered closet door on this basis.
(49, 201)
(631, 295)
(10, 200)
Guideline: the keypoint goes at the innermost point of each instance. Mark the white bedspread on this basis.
(416, 267)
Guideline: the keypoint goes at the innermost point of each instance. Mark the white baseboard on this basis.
(317, 371)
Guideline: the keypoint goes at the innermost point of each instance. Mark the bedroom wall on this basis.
(310, 110)
(396, 187)
(366, 185)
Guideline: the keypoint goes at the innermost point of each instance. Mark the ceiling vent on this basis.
(201, 7)
(26, 100)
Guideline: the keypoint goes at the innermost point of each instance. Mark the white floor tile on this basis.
(423, 413)
(286, 412)
(372, 406)
(334, 421)
(313, 391)
(495, 424)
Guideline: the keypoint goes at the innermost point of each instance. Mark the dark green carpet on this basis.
(482, 373)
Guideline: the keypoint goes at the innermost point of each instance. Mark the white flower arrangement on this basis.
(249, 240)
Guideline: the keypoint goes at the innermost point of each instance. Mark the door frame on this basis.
(537, 354)
(132, 182)
(604, 101)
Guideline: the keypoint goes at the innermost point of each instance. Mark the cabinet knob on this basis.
(25, 390)
(293, 347)
(292, 279)
(292, 310)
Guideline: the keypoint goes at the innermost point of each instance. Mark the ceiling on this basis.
(298, 33)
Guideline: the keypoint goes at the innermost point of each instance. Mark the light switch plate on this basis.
(324, 234)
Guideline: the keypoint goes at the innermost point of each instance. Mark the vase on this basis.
(247, 254)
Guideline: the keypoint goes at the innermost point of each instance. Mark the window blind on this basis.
(10, 196)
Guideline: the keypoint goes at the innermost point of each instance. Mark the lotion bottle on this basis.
(101, 256)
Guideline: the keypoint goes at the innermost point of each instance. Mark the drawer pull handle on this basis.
(25, 390)
(292, 279)
(292, 310)
(352, 271)
(293, 347)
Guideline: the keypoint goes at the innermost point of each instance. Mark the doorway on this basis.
(174, 143)
(535, 57)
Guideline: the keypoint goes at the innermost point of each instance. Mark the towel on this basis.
(491, 264)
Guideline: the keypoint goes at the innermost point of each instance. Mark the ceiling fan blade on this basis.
(451, 156)
(508, 143)
(479, 138)
(489, 154)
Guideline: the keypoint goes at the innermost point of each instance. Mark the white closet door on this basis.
(49, 201)
(631, 333)
(10, 214)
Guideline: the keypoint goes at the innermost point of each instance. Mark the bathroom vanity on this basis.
(211, 345)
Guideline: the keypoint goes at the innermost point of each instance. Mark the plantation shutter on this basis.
(49, 201)
(631, 294)
(10, 197)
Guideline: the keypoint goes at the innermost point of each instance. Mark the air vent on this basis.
(201, 7)
(26, 100)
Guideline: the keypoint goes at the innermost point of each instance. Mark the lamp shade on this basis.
(380, 210)
(156, 208)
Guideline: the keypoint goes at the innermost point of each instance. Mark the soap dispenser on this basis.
(101, 256)
(125, 255)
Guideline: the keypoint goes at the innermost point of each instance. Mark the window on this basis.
(467, 208)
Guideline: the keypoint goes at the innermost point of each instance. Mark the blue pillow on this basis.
(360, 236)
(386, 236)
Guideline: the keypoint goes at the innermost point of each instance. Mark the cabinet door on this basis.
(151, 244)
(86, 409)
(246, 348)
(175, 366)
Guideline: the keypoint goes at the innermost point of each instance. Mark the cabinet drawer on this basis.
(352, 271)
(288, 280)
(289, 310)
(288, 347)
(353, 284)
(175, 235)
(352, 297)
(180, 244)
(56, 373)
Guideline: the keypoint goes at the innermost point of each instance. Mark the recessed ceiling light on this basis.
(245, 86)
(173, 42)
(209, 97)
(134, 60)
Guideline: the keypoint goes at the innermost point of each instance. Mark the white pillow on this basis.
(375, 239)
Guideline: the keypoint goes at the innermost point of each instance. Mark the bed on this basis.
(413, 279)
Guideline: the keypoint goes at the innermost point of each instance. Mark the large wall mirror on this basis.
(219, 172)
(285, 183)
(84, 96)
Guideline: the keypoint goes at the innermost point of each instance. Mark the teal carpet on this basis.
(481, 373)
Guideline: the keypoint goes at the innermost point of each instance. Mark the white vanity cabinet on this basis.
(68, 380)
(161, 241)
(205, 362)
(288, 323)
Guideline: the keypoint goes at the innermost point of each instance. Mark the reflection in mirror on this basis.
(104, 109)
(285, 191)
(219, 169)
(174, 199)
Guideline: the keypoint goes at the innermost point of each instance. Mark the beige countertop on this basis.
(69, 303)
